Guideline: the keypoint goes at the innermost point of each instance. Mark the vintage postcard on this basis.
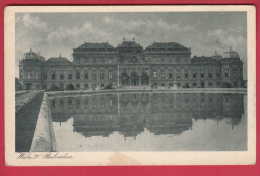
(130, 85)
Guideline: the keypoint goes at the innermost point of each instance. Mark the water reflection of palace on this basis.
(130, 114)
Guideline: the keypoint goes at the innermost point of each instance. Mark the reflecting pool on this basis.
(150, 122)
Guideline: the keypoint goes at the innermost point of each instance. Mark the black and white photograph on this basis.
(123, 80)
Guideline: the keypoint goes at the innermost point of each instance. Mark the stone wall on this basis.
(44, 137)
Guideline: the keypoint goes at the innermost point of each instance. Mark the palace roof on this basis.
(166, 46)
(129, 44)
(33, 56)
(92, 45)
(58, 61)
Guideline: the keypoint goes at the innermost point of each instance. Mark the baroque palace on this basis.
(101, 66)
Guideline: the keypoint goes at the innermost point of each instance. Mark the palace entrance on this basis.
(144, 79)
(134, 79)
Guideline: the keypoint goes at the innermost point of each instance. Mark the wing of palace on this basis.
(129, 65)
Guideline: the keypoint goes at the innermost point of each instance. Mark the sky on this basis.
(52, 34)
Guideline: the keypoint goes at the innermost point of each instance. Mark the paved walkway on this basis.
(27, 109)
(22, 98)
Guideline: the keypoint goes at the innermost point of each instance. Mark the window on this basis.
(210, 83)
(162, 60)
(53, 103)
(178, 76)
(170, 75)
(226, 75)
(194, 75)
(44, 76)
(186, 75)
(163, 74)
(70, 76)
(110, 75)
(218, 75)
(61, 77)
(78, 86)
(77, 75)
(86, 86)
(194, 84)
(186, 100)
(210, 75)
(202, 84)
(155, 74)
(86, 75)
(226, 99)
(202, 75)
(102, 76)
(53, 76)
(61, 86)
(94, 76)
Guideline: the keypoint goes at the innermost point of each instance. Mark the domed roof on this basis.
(166, 46)
(33, 56)
(94, 46)
(129, 44)
(58, 61)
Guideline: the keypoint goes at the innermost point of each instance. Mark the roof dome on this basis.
(33, 56)
(166, 46)
(95, 46)
(129, 44)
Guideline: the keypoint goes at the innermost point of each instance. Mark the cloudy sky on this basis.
(54, 33)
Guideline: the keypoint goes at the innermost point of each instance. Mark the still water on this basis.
(150, 122)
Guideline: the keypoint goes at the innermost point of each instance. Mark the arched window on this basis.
(94, 76)
(61, 76)
(77, 75)
(70, 76)
(86, 75)
(102, 76)
(53, 76)
(170, 76)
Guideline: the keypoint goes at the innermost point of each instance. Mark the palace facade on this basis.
(101, 65)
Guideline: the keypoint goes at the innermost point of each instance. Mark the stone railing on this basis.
(44, 137)
(146, 89)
